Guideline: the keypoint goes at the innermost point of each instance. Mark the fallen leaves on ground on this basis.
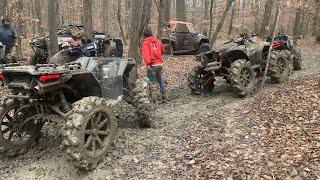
(176, 70)
(279, 137)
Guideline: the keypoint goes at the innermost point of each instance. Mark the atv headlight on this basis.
(208, 57)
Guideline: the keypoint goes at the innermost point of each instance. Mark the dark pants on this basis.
(155, 73)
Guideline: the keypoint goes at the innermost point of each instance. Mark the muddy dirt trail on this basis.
(163, 151)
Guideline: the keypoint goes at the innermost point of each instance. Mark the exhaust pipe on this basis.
(37, 89)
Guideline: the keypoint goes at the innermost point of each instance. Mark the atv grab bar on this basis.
(45, 65)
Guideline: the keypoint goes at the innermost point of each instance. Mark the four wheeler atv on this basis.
(181, 38)
(99, 48)
(285, 42)
(113, 46)
(240, 61)
(80, 95)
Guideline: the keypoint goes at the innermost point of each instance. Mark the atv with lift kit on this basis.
(241, 62)
(284, 42)
(80, 95)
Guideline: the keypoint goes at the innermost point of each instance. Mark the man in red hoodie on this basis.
(152, 50)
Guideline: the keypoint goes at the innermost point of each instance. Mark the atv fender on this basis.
(256, 54)
(233, 55)
(110, 73)
(86, 84)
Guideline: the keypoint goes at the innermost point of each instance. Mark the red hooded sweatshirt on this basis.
(152, 50)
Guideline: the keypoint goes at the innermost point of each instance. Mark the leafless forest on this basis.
(127, 18)
(273, 133)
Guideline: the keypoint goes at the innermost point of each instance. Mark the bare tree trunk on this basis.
(316, 20)
(219, 26)
(181, 10)
(3, 7)
(306, 26)
(296, 25)
(161, 8)
(145, 17)
(58, 15)
(39, 17)
(139, 20)
(206, 9)
(128, 18)
(302, 22)
(194, 11)
(273, 27)
(167, 10)
(52, 26)
(88, 24)
(256, 15)
(20, 29)
(105, 15)
(120, 23)
(211, 17)
(265, 29)
(231, 19)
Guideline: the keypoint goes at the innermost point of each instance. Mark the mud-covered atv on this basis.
(109, 46)
(112, 46)
(241, 62)
(285, 42)
(80, 95)
(180, 38)
(40, 54)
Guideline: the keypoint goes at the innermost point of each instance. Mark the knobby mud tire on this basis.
(143, 102)
(280, 66)
(242, 77)
(91, 119)
(297, 59)
(11, 148)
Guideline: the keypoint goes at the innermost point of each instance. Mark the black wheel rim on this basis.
(14, 127)
(97, 133)
(245, 77)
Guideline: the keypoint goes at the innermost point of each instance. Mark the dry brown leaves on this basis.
(279, 140)
(176, 69)
(289, 120)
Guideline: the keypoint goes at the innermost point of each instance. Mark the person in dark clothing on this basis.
(8, 37)
(152, 50)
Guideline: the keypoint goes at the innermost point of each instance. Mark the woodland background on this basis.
(274, 134)
(128, 18)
